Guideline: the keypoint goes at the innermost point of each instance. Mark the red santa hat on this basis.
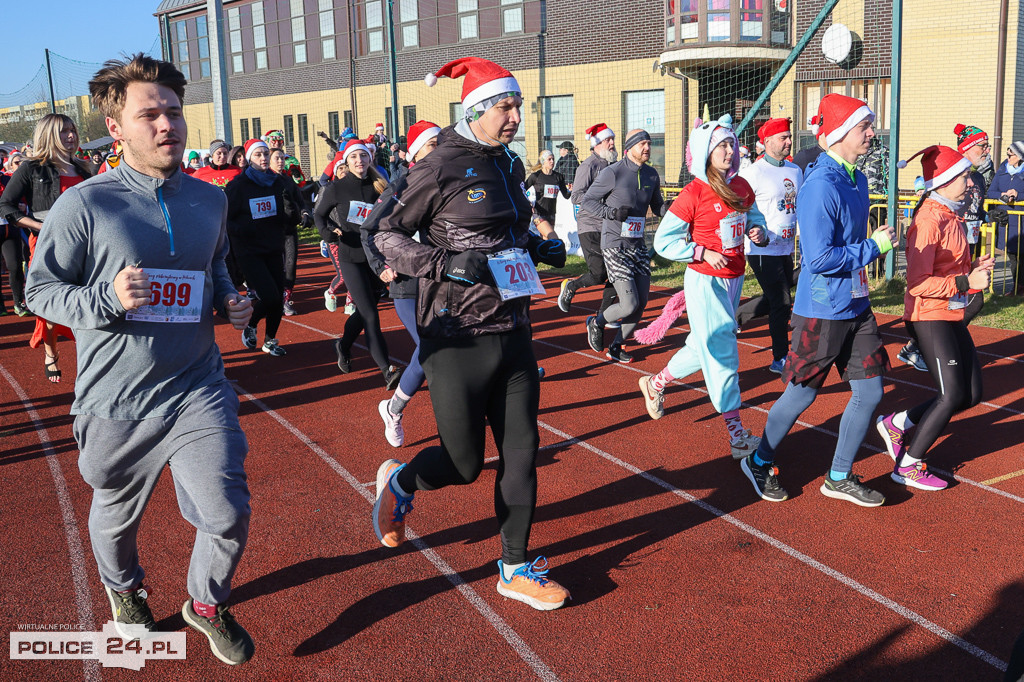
(421, 133)
(598, 133)
(773, 126)
(483, 79)
(940, 165)
(252, 145)
(380, 126)
(838, 114)
(814, 124)
(354, 146)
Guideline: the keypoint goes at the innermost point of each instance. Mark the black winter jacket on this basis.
(402, 286)
(38, 184)
(258, 216)
(332, 211)
(464, 196)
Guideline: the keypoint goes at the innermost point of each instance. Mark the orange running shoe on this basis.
(529, 586)
(390, 508)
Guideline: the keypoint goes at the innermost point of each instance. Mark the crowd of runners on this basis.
(134, 259)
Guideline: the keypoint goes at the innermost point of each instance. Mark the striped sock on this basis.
(660, 380)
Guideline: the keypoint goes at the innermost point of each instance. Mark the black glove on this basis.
(550, 251)
(306, 220)
(665, 208)
(621, 213)
(999, 215)
(468, 267)
(761, 244)
(1006, 199)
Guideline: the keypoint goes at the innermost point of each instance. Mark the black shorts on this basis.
(853, 346)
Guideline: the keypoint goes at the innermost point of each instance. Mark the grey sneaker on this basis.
(852, 490)
(764, 479)
(911, 356)
(270, 346)
(745, 446)
(228, 640)
(132, 617)
(654, 400)
(565, 294)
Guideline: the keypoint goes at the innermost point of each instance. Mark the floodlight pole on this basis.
(894, 127)
(218, 70)
(393, 73)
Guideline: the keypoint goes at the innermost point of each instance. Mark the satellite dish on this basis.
(836, 43)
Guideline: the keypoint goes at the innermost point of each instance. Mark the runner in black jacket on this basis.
(260, 210)
(352, 196)
(468, 201)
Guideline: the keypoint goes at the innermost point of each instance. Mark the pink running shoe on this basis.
(892, 436)
(918, 476)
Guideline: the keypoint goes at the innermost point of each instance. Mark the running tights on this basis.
(12, 254)
(476, 381)
(264, 274)
(412, 377)
(359, 279)
(633, 295)
(948, 350)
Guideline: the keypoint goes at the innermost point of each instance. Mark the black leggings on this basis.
(360, 282)
(775, 275)
(291, 259)
(264, 274)
(13, 257)
(948, 350)
(590, 243)
(475, 381)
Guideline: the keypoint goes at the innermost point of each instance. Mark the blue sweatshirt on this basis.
(832, 215)
(132, 369)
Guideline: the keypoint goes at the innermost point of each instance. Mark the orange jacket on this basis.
(937, 253)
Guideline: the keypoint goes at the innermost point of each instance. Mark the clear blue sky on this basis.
(84, 30)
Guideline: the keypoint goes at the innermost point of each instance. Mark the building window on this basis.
(751, 20)
(468, 28)
(512, 16)
(333, 131)
(259, 31)
(236, 63)
(645, 109)
(261, 59)
(300, 53)
(455, 112)
(181, 48)
(349, 120)
(204, 47)
(408, 15)
(327, 46)
(684, 14)
(289, 130)
(719, 22)
(374, 23)
(303, 130)
(556, 121)
(243, 126)
(257, 128)
(408, 116)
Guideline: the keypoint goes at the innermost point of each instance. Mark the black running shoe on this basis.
(228, 640)
(344, 357)
(595, 334)
(249, 339)
(764, 479)
(132, 617)
(616, 354)
(392, 376)
(852, 490)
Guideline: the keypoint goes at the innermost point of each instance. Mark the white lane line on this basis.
(778, 544)
(517, 643)
(76, 555)
(862, 589)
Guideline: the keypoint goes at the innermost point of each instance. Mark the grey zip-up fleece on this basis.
(623, 183)
(585, 176)
(132, 370)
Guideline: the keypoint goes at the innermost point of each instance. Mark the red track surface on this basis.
(677, 570)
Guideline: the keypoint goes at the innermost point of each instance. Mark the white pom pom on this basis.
(430, 79)
(901, 164)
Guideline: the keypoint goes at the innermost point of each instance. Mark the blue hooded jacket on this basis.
(834, 246)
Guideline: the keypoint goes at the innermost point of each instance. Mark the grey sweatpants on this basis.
(205, 448)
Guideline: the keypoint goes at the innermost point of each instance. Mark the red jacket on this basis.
(937, 254)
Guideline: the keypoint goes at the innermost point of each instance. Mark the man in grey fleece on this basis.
(588, 225)
(133, 262)
(622, 194)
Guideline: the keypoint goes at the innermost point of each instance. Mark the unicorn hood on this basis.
(699, 146)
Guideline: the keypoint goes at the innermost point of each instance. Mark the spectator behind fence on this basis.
(567, 162)
(1008, 187)
(875, 166)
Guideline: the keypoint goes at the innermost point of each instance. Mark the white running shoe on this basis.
(745, 446)
(330, 301)
(393, 430)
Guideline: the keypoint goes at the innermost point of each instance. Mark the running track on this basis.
(677, 570)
